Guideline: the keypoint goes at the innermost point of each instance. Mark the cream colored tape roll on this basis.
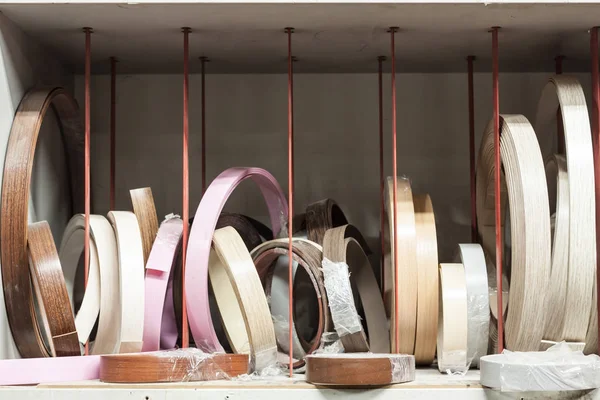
(241, 299)
(493, 296)
(558, 195)
(478, 304)
(566, 92)
(529, 222)
(131, 274)
(452, 327)
(102, 293)
(428, 282)
(407, 274)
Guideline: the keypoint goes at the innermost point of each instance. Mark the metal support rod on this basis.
(559, 125)
(86, 184)
(185, 341)
(497, 167)
(596, 150)
(113, 116)
(396, 339)
(203, 61)
(470, 60)
(289, 32)
(380, 60)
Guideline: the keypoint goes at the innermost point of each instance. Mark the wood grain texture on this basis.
(15, 201)
(181, 365)
(342, 244)
(145, 212)
(407, 274)
(427, 280)
(359, 369)
(53, 302)
(529, 226)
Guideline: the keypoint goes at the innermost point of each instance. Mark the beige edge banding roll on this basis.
(102, 292)
(428, 282)
(131, 274)
(452, 328)
(566, 92)
(529, 223)
(406, 276)
(241, 299)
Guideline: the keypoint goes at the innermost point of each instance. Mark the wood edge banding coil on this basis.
(145, 212)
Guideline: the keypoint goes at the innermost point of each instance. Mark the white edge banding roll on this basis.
(131, 272)
(478, 305)
(452, 326)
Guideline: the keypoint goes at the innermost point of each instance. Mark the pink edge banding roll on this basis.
(29, 371)
(200, 240)
(158, 270)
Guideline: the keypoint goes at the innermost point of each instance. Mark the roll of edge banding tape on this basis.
(101, 298)
(131, 288)
(452, 340)
(145, 212)
(478, 305)
(200, 240)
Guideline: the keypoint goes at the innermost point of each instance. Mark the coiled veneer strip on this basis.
(201, 234)
(407, 274)
(359, 369)
(427, 281)
(51, 292)
(566, 92)
(181, 365)
(131, 267)
(247, 321)
(101, 300)
(453, 326)
(341, 246)
(145, 211)
(16, 184)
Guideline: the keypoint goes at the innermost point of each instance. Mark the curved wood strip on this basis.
(427, 280)
(182, 365)
(145, 212)
(452, 334)
(407, 273)
(341, 245)
(53, 301)
(359, 369)
(15, 202)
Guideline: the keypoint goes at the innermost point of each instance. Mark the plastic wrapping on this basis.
(557, 369)
(339, 296)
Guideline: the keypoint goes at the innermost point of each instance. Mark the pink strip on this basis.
(28, 371)
(158, 270)
(196, 275)
(168, 329)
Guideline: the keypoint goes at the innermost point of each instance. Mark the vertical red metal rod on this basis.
(203, 61)
(497, 166)
(393, 31)
(381, 59)
(289, 32)
(86, 242)
(559, 125)
(470, 60)
(113, 84)
(185, 341)
(596, 150)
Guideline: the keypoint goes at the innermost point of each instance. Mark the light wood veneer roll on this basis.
(566, 92)
(407, 273)
(359, 369)
(181, 365)
(428, 282)
(16, 185)
(131, 273)
(558, 195)
(247, 321)
(347, 261)
(452, 329)
(529, 222)
(57, 318)
(145, 212)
